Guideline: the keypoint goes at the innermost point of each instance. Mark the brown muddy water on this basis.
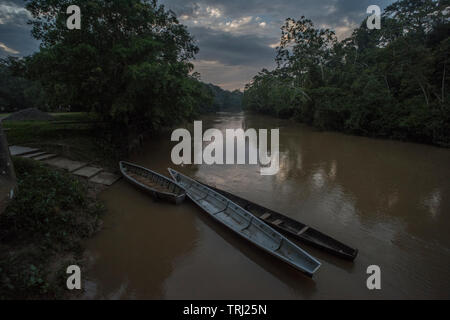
(389, 199)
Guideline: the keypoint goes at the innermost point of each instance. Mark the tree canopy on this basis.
(129, 62)
(391, 82)
(16, 92)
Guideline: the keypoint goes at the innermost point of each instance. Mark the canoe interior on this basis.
(153, 182)
(247, 225)
(294, 228)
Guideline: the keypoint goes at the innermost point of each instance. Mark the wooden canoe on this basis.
(294, 228)
(246, 224)
(159, 186)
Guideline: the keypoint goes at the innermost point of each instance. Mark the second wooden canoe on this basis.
(246, 224)
(294, 228)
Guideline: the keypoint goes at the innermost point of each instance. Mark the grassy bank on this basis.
(76, 135)
(41, 231)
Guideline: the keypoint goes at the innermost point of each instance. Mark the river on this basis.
(389, 199)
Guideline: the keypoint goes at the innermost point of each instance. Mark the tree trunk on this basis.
(387, 83)
(424, 92)
(8, 182)
(443, 84)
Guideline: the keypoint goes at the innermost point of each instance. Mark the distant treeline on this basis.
(392, 82)
(18, 92)
(225, 100)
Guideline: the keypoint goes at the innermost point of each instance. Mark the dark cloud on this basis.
(231, 60)
(15, 38)
(249, 47)
(232, 49)
(320, 11)
(18, 40)
(236, 37)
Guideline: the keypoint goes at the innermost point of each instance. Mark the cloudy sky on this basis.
(237, 38)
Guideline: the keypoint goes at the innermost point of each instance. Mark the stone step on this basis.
(105, 178)
(87, 172)
(34, 154)
(94, 174)
(45, 156)
(18, 150)
(66, 164)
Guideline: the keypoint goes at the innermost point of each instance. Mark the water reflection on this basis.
(134, 253)
(260, 275)
(433, 203)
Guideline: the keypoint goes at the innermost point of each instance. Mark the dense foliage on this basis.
(17, 92)
(392, 82)
(129, 62)
(40, 229)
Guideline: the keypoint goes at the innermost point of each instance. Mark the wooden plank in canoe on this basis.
(277, 222)
(265, 216)
(303, 230)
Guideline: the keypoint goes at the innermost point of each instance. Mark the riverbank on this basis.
(42, 231)
(404, 133)
(75, 135)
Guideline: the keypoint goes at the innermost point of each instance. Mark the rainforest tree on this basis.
(129, 62)
(391, 82)
(17, 92)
